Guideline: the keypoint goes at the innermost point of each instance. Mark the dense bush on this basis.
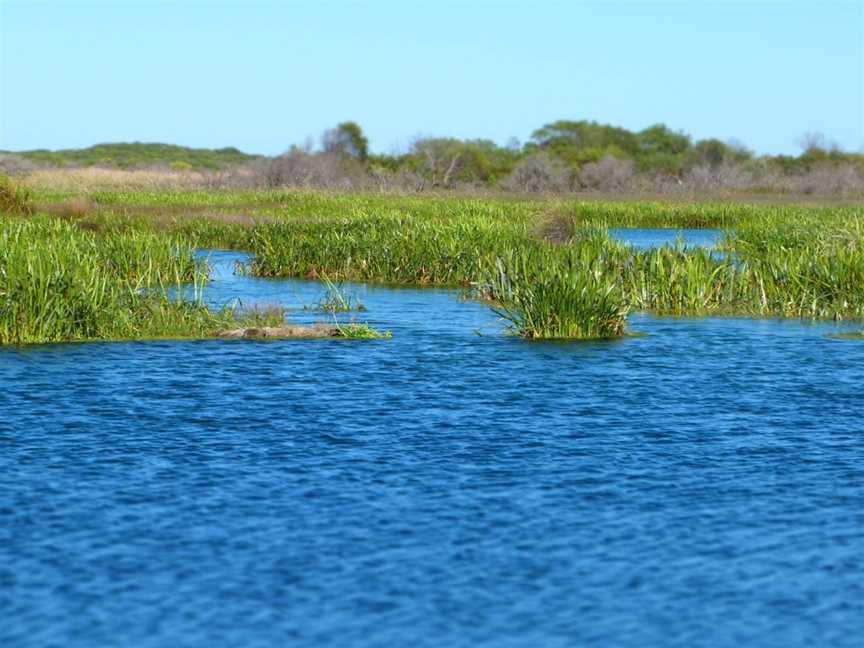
(300, 169)
(608, 174)
(538, 173)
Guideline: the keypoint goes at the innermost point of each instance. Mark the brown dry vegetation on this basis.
(86, 181)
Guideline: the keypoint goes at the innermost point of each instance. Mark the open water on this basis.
(702, 485)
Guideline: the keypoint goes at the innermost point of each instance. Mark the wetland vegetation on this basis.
(102, 265)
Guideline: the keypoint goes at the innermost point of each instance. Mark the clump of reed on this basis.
(361, 331)
(15, 199)
(678, 281)
(260, 315)
(549, 294)
(336, 301)
(809, 268)
(698, 215)
(207, 232)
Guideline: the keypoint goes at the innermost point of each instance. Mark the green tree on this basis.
(713, 153)
(659, 138)
(661, 149)
(347, 140)
(578, 142)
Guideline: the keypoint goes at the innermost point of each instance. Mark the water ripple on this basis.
(701, 486)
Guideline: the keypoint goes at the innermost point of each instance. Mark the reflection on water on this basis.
(698, 486)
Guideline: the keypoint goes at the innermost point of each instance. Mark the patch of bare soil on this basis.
(278, 333)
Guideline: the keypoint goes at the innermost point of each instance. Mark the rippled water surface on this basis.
(644, 239)
(699, 486)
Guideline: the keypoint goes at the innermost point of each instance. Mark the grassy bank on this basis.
(60, 283)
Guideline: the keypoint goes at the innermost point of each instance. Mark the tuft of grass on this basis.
(388, 248)
(15, 199)
(335, 300)
(76, 208)
(270, 315)
(563, 300)
(356, 331)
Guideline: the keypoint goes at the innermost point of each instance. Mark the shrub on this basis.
(75, 208)
(828, 179)
(538, 173)
(609, 174)
(346, 140)
(321, 170)
(704, 177)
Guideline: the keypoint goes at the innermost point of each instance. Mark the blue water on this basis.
(700, 486)
(644, 239)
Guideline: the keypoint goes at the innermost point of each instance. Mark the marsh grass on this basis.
(560, 300)
(335, 301)
(383, 249)
(548, 266)
(361, 331)
(777, 262)
(260, 315)
(805, 268)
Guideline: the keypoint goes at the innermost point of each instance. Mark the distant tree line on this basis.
(561, 157)
(571, 156)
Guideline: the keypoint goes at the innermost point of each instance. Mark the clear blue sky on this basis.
(261, 76)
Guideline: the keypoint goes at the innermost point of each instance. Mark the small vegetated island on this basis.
(102, 254)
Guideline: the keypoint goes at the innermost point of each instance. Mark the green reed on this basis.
(335, 300)
(810, 266)
(806, 268)
(388, 249)
(361, 331)
(547, 295)
(61, 283)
